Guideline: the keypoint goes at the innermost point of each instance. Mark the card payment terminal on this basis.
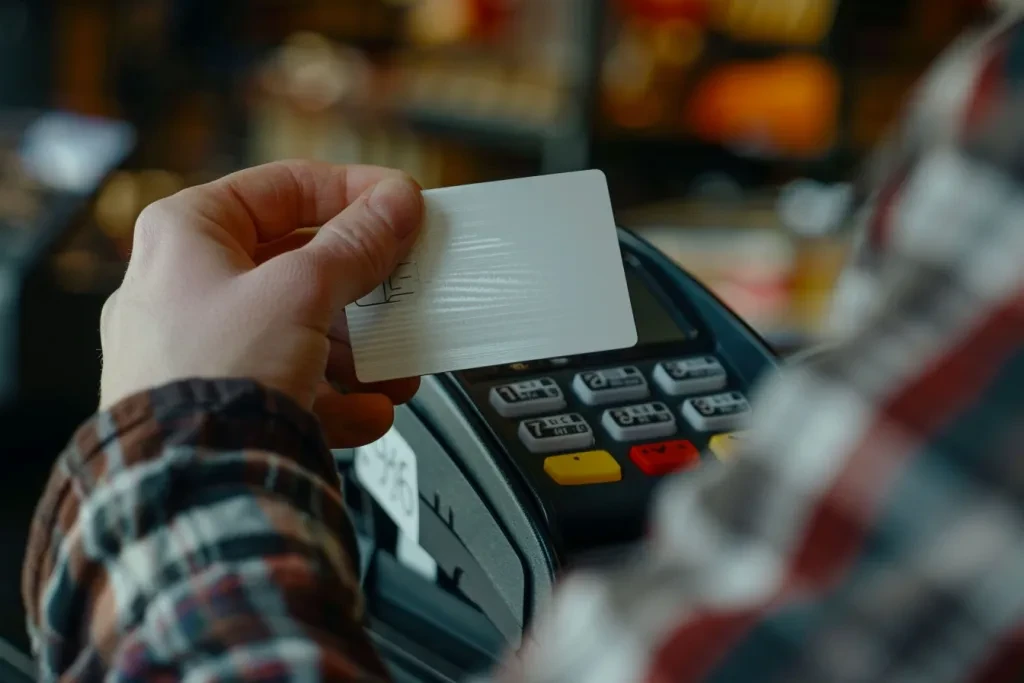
(525, 471)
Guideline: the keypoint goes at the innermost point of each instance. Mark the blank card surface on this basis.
(503, 272)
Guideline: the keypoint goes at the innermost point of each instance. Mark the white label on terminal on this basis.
(387, 470)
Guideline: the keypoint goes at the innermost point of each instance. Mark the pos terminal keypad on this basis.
(593, 440)
(675, 400)
(586, 440)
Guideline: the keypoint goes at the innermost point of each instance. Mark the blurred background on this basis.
(729, 130)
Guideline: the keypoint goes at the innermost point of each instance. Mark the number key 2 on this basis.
(614, 385)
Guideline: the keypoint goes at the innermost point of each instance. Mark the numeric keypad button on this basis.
(529, 397)
(718, 412)
(566, 432)
(639, 422)
(689, 376)
(612, 385)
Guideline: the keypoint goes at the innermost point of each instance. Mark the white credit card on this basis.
(503, 272)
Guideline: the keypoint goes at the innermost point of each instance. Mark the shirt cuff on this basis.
(198, 417)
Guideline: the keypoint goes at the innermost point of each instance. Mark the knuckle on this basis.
(151, 227)
(154, 213)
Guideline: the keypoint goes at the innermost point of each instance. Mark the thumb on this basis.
(360, 247)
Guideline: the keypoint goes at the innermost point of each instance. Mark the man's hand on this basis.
(225, 281)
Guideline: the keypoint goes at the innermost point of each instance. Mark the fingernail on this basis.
(400, 203)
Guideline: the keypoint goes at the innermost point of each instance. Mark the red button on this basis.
(656, 459)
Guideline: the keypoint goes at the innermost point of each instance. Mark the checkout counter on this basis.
(493, 482)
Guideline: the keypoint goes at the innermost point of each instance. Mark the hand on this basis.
(226, 281)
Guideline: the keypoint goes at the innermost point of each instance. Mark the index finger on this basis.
(265, 203)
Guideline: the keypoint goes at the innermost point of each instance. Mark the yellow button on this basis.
(575, 469)
(724, 445)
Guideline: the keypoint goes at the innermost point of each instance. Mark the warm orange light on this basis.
(788, 105)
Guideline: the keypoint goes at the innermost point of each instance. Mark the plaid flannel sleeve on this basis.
(872, 529)
(196, 532)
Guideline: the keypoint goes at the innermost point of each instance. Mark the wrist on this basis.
(223, 414)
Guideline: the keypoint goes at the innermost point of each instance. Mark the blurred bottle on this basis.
(646, 66)
(629, 86)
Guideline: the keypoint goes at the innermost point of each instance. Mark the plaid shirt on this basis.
(871, 529)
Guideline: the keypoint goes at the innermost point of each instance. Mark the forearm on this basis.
(196, 529)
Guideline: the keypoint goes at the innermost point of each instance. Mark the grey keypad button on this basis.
(717, 412)
(612, 385)
(566, 432)
(639, 422)
(529, 397)
(689, 376)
